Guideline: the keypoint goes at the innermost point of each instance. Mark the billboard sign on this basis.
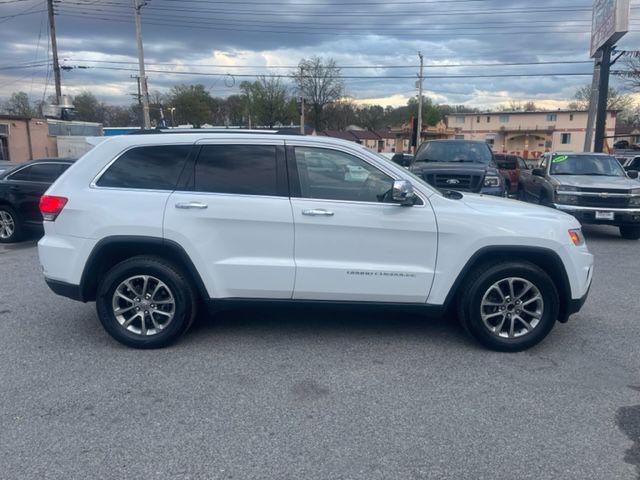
(610, 22)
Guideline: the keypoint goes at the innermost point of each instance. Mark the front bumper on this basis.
(622, 216)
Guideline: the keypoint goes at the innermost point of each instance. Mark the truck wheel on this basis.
(630, 233)
(146, 302)
(10, 227)
(509, 306)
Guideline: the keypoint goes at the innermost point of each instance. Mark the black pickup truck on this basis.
(461, 165)
(20, 190)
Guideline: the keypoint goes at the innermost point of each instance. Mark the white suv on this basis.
(151, 226)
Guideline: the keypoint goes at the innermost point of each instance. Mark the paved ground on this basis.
(319, 394)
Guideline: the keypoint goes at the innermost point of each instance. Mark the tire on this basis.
(10, 226)
(164, 321)
(522, 194)
(479, 287)
(630, 233)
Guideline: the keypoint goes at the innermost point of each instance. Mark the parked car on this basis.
(20, 190)
(151, 226)
(509, 167)
(592, 187)
(461, 165)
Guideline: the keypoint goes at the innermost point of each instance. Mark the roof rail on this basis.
(153, 131)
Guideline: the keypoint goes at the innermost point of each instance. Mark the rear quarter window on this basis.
(148, 168)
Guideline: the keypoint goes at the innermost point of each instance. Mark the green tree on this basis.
(19, 104)
(193, 104)
(266, 101)
(87, 108)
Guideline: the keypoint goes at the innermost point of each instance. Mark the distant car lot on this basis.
(298, 393)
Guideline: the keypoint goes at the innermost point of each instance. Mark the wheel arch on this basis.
(544, 258)
(112, 250)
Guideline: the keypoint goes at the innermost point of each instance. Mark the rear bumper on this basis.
(622, 216)
(64, 289)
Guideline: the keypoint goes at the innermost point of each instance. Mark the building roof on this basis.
(364, 135)
(385, 133)
(340, 134)
(627, 129)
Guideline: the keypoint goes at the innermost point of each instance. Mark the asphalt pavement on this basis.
(319, 394)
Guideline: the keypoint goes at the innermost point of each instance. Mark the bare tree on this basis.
(632, 72)
(321, 84)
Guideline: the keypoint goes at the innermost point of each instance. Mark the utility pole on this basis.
(420, 80)
(54, 51)
(603, 97)
(593, 102)
(139, 97)
(146, 120)
(302, 130)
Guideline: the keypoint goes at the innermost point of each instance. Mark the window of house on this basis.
(459, 137)
(552, 117)
(151, 168)
(478, 119)
(334, 175)
(504, 118)
(565, 138)
(491, 141)
(488, 119)
(459, 119)
(571, 117)
(239, 169)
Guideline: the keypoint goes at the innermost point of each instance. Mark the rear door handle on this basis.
(191, 205)
(317, 212)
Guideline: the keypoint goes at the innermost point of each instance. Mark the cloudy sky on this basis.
(220, 43)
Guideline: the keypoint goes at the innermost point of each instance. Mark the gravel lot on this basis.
(319, 394)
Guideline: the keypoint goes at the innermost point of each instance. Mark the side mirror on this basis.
(632, 173)
(403, 193)
(538, 172)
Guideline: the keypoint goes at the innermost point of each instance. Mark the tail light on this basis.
(51, 206)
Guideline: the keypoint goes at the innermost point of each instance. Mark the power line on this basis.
(439, 33)
(345, 67)
(378, 77)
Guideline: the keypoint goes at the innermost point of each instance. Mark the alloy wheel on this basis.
(7, 225)
(512, 308)
(143, 305)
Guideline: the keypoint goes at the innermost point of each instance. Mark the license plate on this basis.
(605, 215)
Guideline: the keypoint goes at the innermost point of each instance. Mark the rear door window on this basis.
(239, 169)
(40, 172)
(149, 168)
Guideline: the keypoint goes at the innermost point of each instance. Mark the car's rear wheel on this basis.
(510, 306)
(146, 302)
(10, 227)
(630, 232)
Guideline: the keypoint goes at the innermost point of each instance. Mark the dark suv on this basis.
(460, 165)
(20, 190)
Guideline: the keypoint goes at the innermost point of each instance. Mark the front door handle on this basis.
(317, 212)
(191, 205)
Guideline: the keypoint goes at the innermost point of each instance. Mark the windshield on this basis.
(596, 165)
(455, 152)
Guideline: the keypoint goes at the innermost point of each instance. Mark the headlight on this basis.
(635, 201)
(565, 199)
(492, 181)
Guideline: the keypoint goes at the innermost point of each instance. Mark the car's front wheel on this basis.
(630, 232)
(146, 302)
(509, 306)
